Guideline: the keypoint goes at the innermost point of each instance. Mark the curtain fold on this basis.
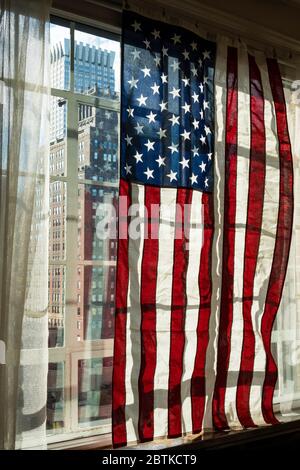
(24, 113)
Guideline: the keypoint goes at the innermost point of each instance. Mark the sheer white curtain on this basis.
(24, 57)
(286, 334)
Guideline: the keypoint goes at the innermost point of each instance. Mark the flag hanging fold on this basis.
(187, 107)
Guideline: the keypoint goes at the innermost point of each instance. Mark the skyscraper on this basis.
(93, 68)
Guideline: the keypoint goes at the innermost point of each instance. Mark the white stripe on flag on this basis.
(192, 307)
(133, 337)
(163, 309)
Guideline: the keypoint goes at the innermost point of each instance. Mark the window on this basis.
(84, 147)
(84, 118)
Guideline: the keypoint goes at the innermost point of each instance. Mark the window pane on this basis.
(94, 391)
(60, 56)
(55, 397)
(97, 144)
(96, 65)
(98, 297)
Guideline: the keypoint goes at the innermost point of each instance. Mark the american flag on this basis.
(207, 190)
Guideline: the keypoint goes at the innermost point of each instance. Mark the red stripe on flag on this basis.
(148, 315)
(119, 367)
(226, 313)
(205, 289)
(283, 239)
(257, 171)
(180, 263)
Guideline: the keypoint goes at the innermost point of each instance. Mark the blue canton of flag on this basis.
(167, 105)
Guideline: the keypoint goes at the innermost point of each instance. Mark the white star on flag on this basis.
(174, 120)
(195, 151)
(149, 173)
(146, 72)
(173, 148)
(163, 105)
(186, 107)
(147, 43)
(151, 117)
(162, 133)
(176, 38)
(202, 166)
(139, 129)
(133, 83)
(186, 135)
(195, 98)
(128, 140)
(142, 100)
(130, 111)
(184, 162)
(195, 123)
(194, 178)
(128, 169)
(186, 54)
(136, 26)
(150, 145)
(155, 88)
(194, 71)
(156, 34)
(136, 54)
(203, 139)
(161, 161)
(172, 176)
(175, 92)
(138, 157)
(157, 60)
